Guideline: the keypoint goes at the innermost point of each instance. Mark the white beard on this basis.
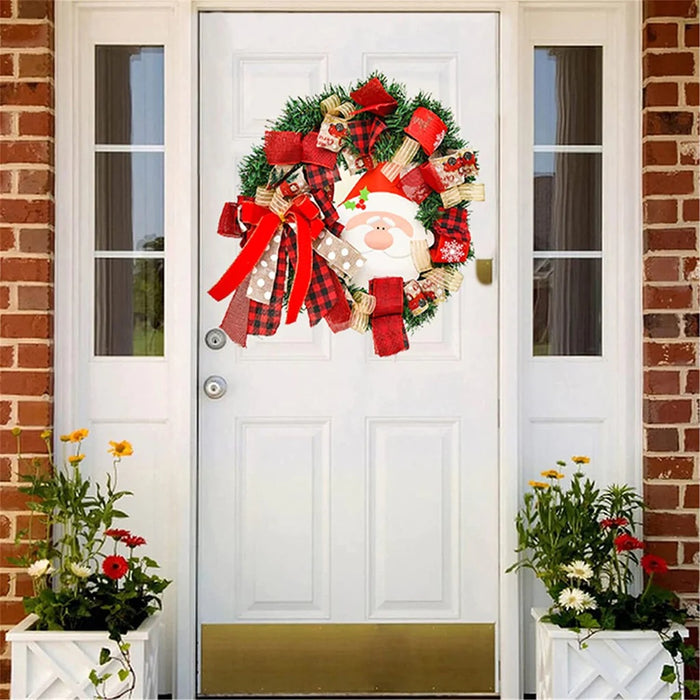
(395, 261)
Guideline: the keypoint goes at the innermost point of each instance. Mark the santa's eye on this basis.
(452, 161)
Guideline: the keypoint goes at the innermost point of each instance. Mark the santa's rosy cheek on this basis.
(379, 239)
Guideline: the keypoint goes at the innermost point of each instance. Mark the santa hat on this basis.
(375, 181)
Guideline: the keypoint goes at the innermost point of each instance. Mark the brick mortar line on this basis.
(652, 168)
(656, 138)
(652, 109)
(18, 109)
(17, 79)
(26, 20)
(675, 197)
(667, 79)
(28, 166)
(22, 197)
(668, 50)
(11, 50)
(672, 225)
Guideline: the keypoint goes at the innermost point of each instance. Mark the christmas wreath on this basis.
(355, 208)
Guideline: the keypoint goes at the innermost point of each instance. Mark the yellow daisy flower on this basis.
(76, 459)
(79, 435)
(538, 484)
(552, 474)
(580, 460)
(65, 438)
(120, 449)
(45, 435)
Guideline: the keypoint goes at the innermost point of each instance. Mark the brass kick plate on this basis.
(360, 659)
(484, 270)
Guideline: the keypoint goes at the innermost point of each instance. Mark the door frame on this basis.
(178, 22)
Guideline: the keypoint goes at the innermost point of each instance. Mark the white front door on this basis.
(335, 486)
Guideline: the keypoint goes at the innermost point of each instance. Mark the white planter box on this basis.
(624, 664)
(57, 664)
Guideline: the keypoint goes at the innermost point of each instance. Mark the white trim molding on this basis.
(80, 378)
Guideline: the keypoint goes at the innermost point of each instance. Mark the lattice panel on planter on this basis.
(57, 664)
(625, 664)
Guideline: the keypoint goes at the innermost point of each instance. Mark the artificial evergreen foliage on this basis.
(303, 114)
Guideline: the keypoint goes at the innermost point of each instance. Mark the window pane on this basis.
(566, 306)
(129, 95)
(567, 206)
(129, 296)
(129, 199)
(568, 95)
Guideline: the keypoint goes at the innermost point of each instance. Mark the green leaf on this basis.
(668, 674)
(123, 674)
(104, 656)
(693, 687)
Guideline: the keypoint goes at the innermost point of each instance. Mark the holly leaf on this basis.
(350, 205)
(364, 193)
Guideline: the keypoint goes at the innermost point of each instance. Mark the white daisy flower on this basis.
(579, 569)
(41, 567)
(572, 599)
(589, 602)
(79, 570)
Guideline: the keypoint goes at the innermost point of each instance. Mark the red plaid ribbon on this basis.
(364, 134)
(322, 294)
(452, 223)
(320, 178)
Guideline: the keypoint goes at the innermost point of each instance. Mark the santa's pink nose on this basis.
(379, 239)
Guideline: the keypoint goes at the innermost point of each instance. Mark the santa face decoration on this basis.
(381, 225)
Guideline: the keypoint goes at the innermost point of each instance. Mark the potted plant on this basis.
(92, 628)
(600, 637)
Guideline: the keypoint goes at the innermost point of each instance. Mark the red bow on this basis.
(305, 214)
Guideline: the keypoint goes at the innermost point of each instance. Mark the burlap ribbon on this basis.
(362, 309)
(469, 191)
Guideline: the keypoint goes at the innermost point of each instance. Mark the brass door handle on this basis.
(484, 270)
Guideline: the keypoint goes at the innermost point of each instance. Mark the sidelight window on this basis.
(567, 200)
(129, 241)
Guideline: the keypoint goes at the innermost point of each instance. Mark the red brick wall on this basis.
(671, 295)
(26, 267)
(671, 274)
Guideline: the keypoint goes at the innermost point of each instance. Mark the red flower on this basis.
(115, 566)
(625, 542)
(614, 522)
(117, 533)
(133, 541)
(653, 564)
